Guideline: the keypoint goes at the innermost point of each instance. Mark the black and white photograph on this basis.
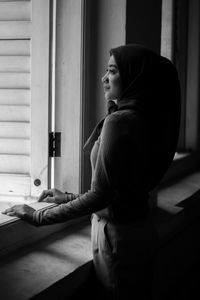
(99, 149)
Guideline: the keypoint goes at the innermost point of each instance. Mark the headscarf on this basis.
(146, 76)
(150, 87)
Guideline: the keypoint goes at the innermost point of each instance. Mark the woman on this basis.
(131, 150)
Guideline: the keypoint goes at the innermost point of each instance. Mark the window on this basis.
(77, 43)
(180, 43)
(167, 29)
(54, 72)
(24, 77)
(68, 101)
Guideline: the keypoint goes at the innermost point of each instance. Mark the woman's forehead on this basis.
(112, 61)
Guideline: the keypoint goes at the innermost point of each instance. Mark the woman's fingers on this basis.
(22, 211)
(11, 214)
(45, 194)
(7, 211)
(49, 199)
(13, 211)
(42, 196)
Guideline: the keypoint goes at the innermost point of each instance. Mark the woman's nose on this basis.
(104, 78)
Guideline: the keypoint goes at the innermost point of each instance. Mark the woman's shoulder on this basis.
(123, 116)
(123, 124)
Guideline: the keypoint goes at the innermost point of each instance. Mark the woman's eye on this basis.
(111, 71)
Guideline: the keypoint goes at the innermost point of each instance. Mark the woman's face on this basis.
(112, 84)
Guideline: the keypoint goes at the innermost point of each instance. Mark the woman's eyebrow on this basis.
(113, 66)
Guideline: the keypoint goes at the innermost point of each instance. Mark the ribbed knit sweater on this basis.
(118, 174)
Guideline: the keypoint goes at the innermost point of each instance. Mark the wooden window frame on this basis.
(22, 186)
(184, 53)
(26, 233)
(183, 49)
(186, 58)
(68, 178)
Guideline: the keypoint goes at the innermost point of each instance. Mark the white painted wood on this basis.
(15, 0)
(39, 94)
(19, 164)
(14, 184)
(15, 30)
(52, 86)
(15, 47)
(167, 29)
(67, 93)
(15, 11)
(15, 80)
(24, 77)
(15, 146)
(15, 96)
(15, 64)
(14, 113)
(14, 130)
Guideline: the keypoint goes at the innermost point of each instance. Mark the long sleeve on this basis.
(116, 176)
(84, 204)
(97, 198)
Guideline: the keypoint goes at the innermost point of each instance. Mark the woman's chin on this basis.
(106, 97)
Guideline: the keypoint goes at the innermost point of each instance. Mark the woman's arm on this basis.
(56, 196)
(100, 194)
(107, 173)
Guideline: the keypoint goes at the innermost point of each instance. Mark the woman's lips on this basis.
(106, 88)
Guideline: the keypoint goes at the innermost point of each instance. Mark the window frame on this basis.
(27, 233)
(22, 186)
(183, 37)
(186, 36)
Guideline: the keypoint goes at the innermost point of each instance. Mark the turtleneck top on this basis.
(118, 181)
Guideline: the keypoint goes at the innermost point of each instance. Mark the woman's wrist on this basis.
(71, 196)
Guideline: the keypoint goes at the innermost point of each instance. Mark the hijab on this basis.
(147, 78)
(150, 87)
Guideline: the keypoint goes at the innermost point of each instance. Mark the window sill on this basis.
(15, 233)
(10, 201)
(21, 233)
(183, 164)
(31, 270)
(177, 203)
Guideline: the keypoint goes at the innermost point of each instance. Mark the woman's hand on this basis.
(22, 211)
(53, 196)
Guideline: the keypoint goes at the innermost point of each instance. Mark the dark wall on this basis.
(143, 23)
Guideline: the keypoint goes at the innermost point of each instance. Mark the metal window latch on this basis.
(54, 144)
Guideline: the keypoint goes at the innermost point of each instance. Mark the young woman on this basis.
(131, 150)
